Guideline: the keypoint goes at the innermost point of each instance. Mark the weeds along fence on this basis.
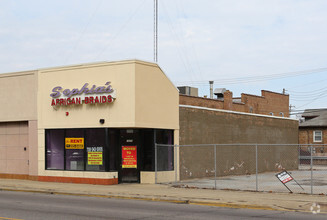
(255, 167)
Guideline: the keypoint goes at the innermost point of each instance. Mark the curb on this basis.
(177, 201)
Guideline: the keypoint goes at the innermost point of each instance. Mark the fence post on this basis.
(299, 157)
(311, 167)
(256, 167)
(215, 152)
(175, 162)
(155, 163)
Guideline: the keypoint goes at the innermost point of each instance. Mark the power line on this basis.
(309, 96)
(83, 32)
(309, 92)
(258, 78)
(185, 60)
(132, 14)
(319, 97)
(307, 111)
(181, 11)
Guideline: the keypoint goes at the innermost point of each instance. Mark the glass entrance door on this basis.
(129, 171)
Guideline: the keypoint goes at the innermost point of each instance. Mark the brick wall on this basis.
(276, 103)
(306, 135)
(269, 102)
(306, 140)
(199, 101)
(203, 126)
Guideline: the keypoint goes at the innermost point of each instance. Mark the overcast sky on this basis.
(243, 45)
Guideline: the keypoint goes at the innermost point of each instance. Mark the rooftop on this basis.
(314, 118)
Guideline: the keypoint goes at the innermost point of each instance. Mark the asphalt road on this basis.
(22, 205)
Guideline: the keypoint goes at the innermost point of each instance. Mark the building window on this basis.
(75, 149)
(55, 152)
(165, 149)
(95, 149)
(317, 136)
(165, 161)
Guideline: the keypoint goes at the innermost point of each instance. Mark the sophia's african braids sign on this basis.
(85, 95)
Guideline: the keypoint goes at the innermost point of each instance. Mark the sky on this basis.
(244, 46)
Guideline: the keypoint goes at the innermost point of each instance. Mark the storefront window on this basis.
(95, 149)
(74, 147)
(148, 152)
(113, 141)
(99, 149)
(55, 149)
(165, 153)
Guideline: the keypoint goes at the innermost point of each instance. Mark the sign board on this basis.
(94, 158)
(284, 177)
(74, 143)
(86, 94)
(129, 156)
(95, 155)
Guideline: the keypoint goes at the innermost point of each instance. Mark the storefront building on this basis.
(92, 123)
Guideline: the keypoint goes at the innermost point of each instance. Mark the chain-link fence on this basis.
(254, 167)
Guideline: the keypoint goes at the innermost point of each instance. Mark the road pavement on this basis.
(166, 193)
(35, 206)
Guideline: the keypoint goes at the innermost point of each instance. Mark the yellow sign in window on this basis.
(74, 143)
(94, 158)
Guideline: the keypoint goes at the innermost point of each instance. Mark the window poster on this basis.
(129, 157)
(95, 155)
(74, 143)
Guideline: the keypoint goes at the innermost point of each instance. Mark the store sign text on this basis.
(86, 95)
(95, 156)
(74, 143)
(129, 157)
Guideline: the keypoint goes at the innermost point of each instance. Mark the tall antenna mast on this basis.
(155, 31)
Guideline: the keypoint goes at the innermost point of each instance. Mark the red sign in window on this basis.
(129, 156)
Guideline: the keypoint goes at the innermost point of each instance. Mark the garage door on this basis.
(14, 148)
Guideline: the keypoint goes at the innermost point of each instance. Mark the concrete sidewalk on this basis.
(222, 198)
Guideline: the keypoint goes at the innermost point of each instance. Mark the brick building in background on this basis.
(313, 130)
(224, 121)
(269, 103)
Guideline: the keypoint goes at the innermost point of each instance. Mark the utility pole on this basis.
(291, 106)
(155, 31)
